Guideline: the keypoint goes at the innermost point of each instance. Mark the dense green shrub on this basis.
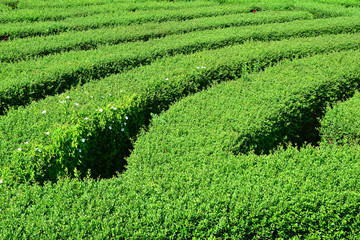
(196, 171)
(57, 14)
(135, 94)
(307, 194)
(23, 82)
(35, 4)
(16, 30)
(20, 49)
(234, 117)
(341, 124)
(4, 8)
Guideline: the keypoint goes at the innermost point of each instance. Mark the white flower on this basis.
(47, 133)
(109, 94)
(39, 150)
(92, 96)
(100, 110)
(121, 90)
(197, 67)
(79, 150)
(125, 124)
(1, 181)
(68, 97)
(102, 96)
(77, 104)
(19, 149)
(126, 117)
(86, 118)
(110, 127)
(63, 101)
(43, 112)
(122, 129)
(83, 140)
(166, 79)
(26, 142)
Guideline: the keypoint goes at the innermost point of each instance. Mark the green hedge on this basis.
(258, 113)
(31, 4)
(16, 30)
(20, 49)
(34, 79)
(307, 194)
(341, 124)
(57, 14)
(135, 94)
(4, 8)
(347, 3)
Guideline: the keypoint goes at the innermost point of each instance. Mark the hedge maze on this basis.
(220, 119)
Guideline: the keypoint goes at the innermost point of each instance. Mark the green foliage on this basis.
(196, 171)
(234, 117)
(305, 194)
(34, 79)
(57, 14)
(341, 124)
(137, 93)
(20, 49)
(16, 30)
(20, 30)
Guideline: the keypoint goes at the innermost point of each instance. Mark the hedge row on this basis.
(20, 49)
(307, 194)
(16, 30)
(57, 14)
(259, 112)
(31, 4)
(341, 124)
(284, 195)
(34, 79)
(347, 3)
(91, 127)
(191, 192)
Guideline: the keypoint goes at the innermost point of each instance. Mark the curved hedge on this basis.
(24, 82)
(59, 13)
(20, 30)
(282, 195)
(21, 49)
(258, 113)
(135, 94)
(176, 186)
(341, 124)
